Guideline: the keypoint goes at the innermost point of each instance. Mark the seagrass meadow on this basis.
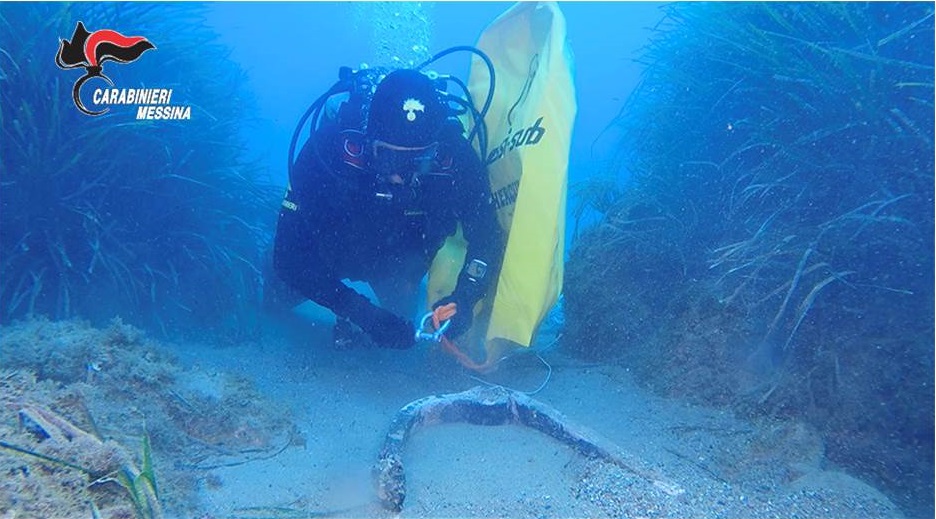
(164, 223)
(767, 242)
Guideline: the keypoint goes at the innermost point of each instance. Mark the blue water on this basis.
(169, 223)
(605, 39)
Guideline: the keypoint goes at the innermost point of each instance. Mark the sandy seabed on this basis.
(287, 426)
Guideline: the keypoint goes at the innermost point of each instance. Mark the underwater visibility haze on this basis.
(743, 244)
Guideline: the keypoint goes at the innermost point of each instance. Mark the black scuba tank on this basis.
(353, 111)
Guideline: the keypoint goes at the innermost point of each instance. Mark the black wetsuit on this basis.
(337, 220)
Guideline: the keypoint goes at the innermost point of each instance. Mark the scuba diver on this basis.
(384, 178)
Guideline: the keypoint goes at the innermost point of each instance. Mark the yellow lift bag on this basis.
(529, 126)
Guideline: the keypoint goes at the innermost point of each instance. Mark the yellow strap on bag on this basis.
(529, 128)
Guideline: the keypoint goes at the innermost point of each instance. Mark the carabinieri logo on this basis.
(91, 50)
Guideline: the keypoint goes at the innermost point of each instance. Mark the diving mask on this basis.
(401, 164)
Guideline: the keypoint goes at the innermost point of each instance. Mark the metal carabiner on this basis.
(435, 336)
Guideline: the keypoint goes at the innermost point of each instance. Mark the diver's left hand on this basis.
(464, 314)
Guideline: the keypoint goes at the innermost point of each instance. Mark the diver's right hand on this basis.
(385, 328)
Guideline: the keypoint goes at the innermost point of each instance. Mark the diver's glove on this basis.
(464, 314)
(471, 287)
(385, 328)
